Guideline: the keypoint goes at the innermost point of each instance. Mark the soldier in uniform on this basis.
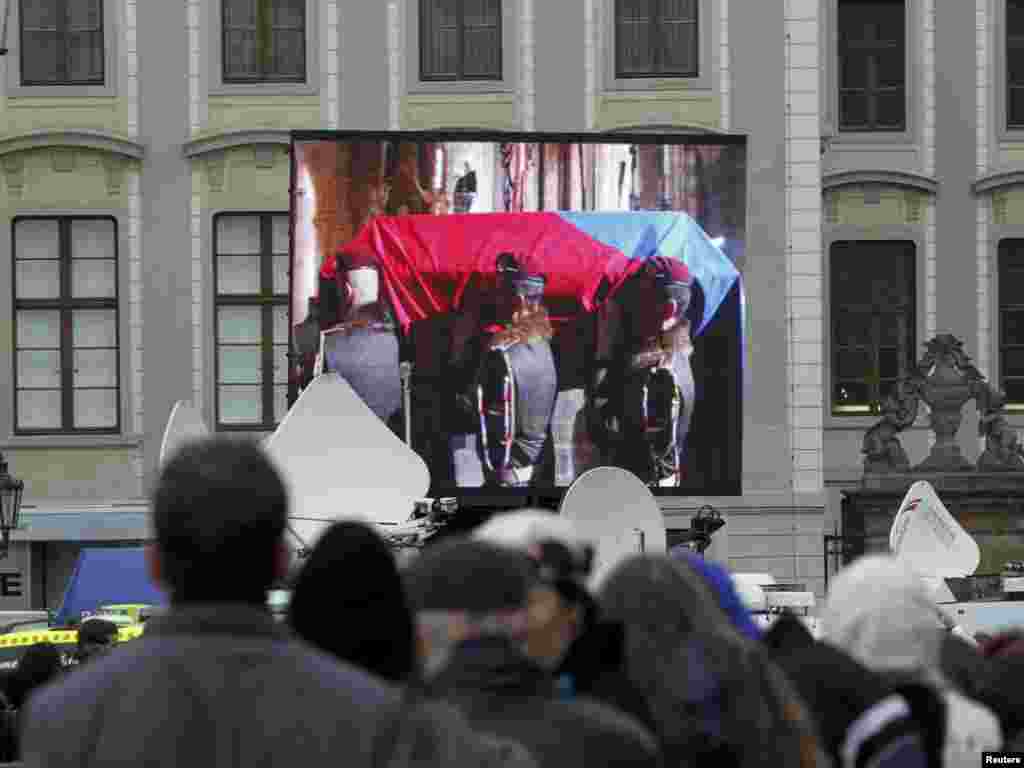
(505, 380)
(641, 393)
(364, 346)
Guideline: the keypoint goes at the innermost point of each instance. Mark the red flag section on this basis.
(434, 264)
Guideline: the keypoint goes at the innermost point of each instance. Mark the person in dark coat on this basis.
(215, 680)
(349, 601)
(472, 601)
(862, 718)
(721, 584)
(569, 635)
(715, 696)
(39, 665)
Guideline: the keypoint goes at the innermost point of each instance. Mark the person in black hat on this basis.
(95, 638)
(473, 602)
(640, 399)
(506, 382)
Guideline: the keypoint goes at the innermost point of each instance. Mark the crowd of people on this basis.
(491, 649)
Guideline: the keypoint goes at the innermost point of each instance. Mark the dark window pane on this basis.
(241, 54)
(1013, 362)
(288, 14)
(890, 109)
(42, 57)
(679, 47)
(851, 330)
(853, 363)
(1012, 327)
(1014, 17)
(853, 109)
(889, 363)
(439, 35)
(887, 388)
(1015, 107)
(889, 66)
(1014, 389)
(634, 37)
(853, 70)
(679, 10)
(240, 14)
(847, 393)
(1015, 64)
(289, 54)
(85, 56)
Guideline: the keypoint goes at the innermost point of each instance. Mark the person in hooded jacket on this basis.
(862, 718)
(715, 696)
(349, 601)
(473, 602)
(719, 580)
(880, 613)
(584, 649)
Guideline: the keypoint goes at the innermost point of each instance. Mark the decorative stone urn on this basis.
(948, 381)
(945, 379)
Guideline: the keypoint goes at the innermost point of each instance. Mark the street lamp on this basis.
(11, 490)
(3, 25)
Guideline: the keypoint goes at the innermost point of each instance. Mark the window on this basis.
(66, 352)
(61, 42)
(872, 65)
(460, 40)
(656, 38)
(251, 277)
(264, 41)
(873, 321)
(1011, 322)
(1014, 64)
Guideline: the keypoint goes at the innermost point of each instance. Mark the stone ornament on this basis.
(944, 379)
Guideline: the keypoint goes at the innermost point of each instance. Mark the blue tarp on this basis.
(674, 234)
(108, 576)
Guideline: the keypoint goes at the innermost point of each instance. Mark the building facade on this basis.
(144, 157)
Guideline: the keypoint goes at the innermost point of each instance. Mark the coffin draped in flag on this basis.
(432, 264)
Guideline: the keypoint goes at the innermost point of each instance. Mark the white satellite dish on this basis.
(926, 537)
(614, 509)
(340, 461)
(184, 425)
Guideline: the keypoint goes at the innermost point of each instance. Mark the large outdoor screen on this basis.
(521, 308)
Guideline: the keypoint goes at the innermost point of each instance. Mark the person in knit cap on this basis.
(640, 398)
(880, 613)
(720, 581)
(473, 602)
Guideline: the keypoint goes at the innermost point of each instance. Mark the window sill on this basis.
(467, 87)
(858, 423)
(16, 442)
(264, 89)
(641, 84)
(62, 91)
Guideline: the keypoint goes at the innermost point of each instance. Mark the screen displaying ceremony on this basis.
(523, 308)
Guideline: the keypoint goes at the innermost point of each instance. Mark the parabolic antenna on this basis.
(929, 540)
(184, 425)
(618, 513)
(340, 461)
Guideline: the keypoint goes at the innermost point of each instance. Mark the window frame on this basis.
(841, 233)
(620, 75)
(113, 47)
(1014, 407)
(511, 33)
(267, 303)
(211, 19)
(999, 80)
(871, 89)
(66, 305)
(459, 77)
(913, 86)
(708, 60)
